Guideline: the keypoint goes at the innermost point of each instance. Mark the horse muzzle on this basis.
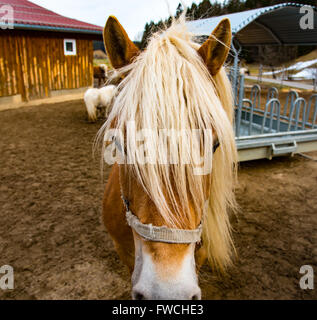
(155, 280)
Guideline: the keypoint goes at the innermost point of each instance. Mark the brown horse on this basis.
(100, 73)
(159, 196)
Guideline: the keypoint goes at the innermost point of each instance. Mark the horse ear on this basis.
(213, 52)
(120, 49)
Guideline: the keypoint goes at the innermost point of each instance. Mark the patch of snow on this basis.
(297, 66)
(308, 74)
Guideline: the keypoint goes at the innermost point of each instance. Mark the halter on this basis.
(163, 233)
(160, 234)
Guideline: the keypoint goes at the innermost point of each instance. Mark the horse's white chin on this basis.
(148, 284)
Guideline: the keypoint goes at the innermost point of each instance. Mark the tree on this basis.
(204, 9)
(179, 10)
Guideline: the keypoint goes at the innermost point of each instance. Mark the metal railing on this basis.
(253, 119)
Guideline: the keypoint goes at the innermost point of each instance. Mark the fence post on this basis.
(240, 103)
(283, 75)
(235, 72)
(260, 73)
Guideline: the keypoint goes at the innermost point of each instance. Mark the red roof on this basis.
(28, 13)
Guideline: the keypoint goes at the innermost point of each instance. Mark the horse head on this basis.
(173, 85)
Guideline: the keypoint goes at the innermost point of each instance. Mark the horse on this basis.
(165, 217)
(100, 73)
(99, 99)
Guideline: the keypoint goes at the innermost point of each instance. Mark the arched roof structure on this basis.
(274, 25)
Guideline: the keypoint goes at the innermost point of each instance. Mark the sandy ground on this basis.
(51, 231)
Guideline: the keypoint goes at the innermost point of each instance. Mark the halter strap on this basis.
(159, 234)
(163, 233)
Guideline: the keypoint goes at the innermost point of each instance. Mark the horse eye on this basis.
(215, 146)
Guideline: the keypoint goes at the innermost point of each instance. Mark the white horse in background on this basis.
(99, 99)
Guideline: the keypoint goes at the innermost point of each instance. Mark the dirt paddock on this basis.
(51, 232)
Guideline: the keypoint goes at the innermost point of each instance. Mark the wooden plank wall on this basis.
(33, 65)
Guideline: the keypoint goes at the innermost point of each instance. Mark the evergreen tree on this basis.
(204, 9)
(207, 8)
(179, 10)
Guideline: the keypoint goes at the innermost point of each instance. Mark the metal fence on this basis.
(251, 119)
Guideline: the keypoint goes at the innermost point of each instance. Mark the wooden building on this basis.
(44, 54)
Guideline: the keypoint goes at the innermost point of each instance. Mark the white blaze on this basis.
(181, 285)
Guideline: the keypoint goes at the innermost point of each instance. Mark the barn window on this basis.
(69, 47)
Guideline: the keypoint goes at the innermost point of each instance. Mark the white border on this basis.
(68, 53)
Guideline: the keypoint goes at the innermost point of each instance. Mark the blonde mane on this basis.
(169, 87)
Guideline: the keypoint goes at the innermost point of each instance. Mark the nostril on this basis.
(196, 295)
(136, 295)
